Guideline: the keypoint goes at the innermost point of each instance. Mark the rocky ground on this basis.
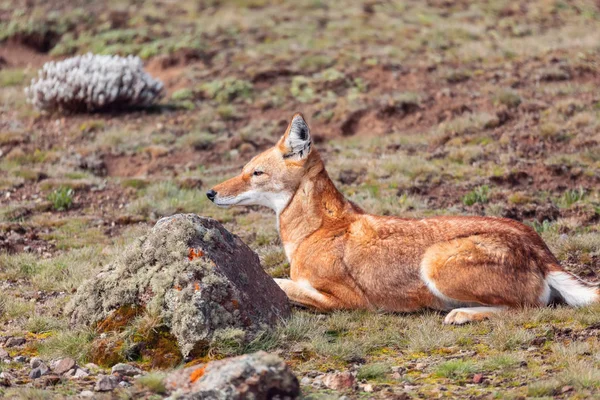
(418, 107)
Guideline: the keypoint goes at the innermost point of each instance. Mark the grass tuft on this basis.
(477, 195)
(455, 369)
(373, 371)
(154, 381)
(61, 198)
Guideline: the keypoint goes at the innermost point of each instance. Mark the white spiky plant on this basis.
(92, 83)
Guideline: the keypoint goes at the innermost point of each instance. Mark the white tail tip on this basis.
(571, 289)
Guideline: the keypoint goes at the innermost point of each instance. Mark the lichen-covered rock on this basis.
(205, 283)
(257, 376)
(93, 82)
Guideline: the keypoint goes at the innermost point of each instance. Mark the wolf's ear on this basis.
(296, 142)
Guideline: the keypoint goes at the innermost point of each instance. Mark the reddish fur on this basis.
(354, 260)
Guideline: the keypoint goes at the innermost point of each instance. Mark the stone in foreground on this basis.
(206, 284)
(257, 376)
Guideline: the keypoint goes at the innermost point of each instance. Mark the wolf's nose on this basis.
(211, 195)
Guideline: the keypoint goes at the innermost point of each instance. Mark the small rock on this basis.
(126, 370)
(86, 394)
(4, 354)
(318, 381)
(477, 378)
(305, 381)
(420, 366)
(366, 387)
(70, 373)
(14, 342)
(124, 384)
(35, 362)
(6, 379)
(106, 383)
(37, 372)
(339, 380)
(258, 376)
(80, 373)
(64, 365)
(6, 375)
(21, 359)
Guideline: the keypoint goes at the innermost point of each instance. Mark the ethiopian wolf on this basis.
(341, 257)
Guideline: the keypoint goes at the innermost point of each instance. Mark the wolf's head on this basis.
(271, 178)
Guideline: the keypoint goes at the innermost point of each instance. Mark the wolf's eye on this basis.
(258, 173)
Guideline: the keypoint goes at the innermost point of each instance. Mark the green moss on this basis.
(301, 89)
(11, 77)
(227, 90)
(183, 94)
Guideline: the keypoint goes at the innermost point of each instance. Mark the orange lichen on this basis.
(193, 254)
(119, 318)
(107, 352)
(235, 303)
(161, 350)
(177, 287)
(197, 374)
(196, 286)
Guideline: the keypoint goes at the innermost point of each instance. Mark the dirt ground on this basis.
(419, 108)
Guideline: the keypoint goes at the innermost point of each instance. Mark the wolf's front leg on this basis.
(302, 293)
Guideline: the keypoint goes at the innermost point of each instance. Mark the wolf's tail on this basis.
(571, 289)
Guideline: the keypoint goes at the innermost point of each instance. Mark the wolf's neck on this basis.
(316, 204)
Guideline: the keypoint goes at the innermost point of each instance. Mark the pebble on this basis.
(126, 370)
(64, 365)
(4, 354)
(339, 380)
(305, 381)
(35, 362)
(86, 394)
(366, 387)
(477, 378)
(124, 384)
(7, 375)
(14, 342)
(106, 383)
(37, 372)
(21, 359)
(81, 373)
